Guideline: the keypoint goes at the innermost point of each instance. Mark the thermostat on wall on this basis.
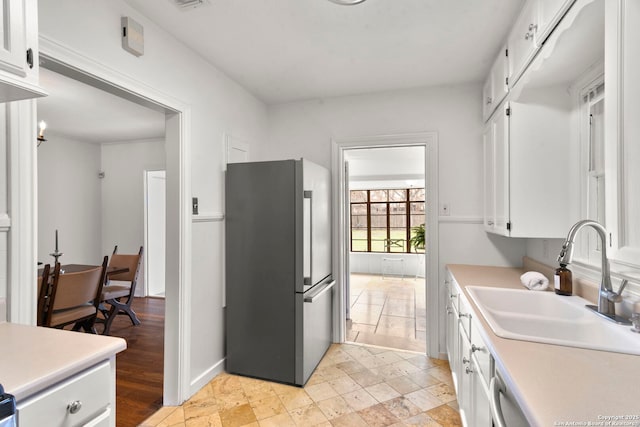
(132, 36)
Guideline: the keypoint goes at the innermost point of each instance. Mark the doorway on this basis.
(397, 274)
(386, 300)
(178, 189)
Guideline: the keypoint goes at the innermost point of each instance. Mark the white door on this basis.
(155, 220)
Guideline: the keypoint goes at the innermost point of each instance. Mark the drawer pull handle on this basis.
(475, 348)
(74, 407)
(468, 370)
(465, 360)
(495, 389)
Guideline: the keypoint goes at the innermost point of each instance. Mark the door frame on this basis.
(177, 346)
(429, 140)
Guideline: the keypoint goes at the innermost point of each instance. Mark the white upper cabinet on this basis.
(525, 167)
(549, 14)
(495, 87)
(12, 37)
(496, 173)
(19, 50)
(622, 130)
(535, 23)
(522, 40)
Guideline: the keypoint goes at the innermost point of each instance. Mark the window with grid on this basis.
(384, 220)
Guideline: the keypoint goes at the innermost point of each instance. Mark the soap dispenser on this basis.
(563, 281)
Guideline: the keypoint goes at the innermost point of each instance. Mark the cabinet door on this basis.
(622, 127)
(549, 13)
(487, 99)
(452, 330)
(489, 178)
(12, 37)
(479, 395)
(521, 40)
(501, 171)
(499, 74)
(464, 381)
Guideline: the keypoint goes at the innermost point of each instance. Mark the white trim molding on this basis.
(460, 220)
(5, 222)
(208, 217)
(429, 140)
(22, 198)
(209, 374)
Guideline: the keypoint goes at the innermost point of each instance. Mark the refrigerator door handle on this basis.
(316, 294)
(307, 237)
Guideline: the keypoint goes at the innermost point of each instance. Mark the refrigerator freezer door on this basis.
(315, 328)
(317, 183)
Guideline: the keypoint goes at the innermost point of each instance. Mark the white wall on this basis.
(218, 105)
(305, 129)
(69, 200)
(412, 265)
(124, 164)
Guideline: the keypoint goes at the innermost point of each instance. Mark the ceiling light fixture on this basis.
(189, 4)
(347, 2)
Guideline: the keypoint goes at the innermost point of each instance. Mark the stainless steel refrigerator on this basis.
(278, 269)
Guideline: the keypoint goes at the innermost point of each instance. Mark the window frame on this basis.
(589, 251)
(407, 202)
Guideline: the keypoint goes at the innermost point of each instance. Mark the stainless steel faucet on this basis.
(606, 297)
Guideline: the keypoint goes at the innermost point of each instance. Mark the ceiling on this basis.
(386, 167)
(81, 112)
(288, 50)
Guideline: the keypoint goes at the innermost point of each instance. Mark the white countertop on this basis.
(34, 358)
(555, 384)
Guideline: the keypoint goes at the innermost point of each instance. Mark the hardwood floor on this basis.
(140, 368)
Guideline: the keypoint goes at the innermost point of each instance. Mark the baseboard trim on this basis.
(204, 378)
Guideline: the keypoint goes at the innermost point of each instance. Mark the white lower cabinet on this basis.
(452, 329)
(469, 358)
(85, 399)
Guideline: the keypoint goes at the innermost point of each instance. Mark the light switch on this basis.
(194, 205)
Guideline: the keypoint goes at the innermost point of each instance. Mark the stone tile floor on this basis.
(354, 385)
(388, 312)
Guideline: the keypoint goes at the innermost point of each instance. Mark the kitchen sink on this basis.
(552, 319)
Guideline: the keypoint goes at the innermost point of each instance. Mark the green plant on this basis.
(417, 240)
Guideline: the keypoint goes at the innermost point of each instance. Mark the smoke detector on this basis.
(189, 4)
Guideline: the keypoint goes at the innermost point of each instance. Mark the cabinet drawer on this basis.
(481, 353)
(91, 390)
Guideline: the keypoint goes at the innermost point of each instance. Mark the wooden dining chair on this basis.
(119, 296)
(43, 294)
(75, 298)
